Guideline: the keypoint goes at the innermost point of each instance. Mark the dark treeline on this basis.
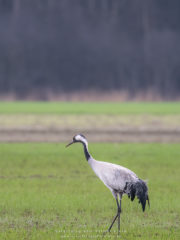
(72, 45)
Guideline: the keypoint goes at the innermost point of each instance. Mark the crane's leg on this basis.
(118, 214)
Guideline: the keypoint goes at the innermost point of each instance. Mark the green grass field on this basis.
(50, 192)
(160, 108)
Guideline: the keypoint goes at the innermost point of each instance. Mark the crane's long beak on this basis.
(69, 144)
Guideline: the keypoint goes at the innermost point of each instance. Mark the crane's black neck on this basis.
(87, 155)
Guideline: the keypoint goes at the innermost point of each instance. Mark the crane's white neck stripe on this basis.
(81, 139)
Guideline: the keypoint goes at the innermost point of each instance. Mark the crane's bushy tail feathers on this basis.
(138, 189)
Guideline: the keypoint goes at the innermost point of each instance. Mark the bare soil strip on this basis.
(93, 136)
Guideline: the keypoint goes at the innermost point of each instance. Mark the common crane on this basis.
(118, 179)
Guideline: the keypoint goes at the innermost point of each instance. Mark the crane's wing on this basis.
(114, 176)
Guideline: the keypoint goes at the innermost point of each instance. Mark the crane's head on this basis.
(78, 138)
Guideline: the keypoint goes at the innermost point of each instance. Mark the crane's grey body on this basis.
(118, 179)
(112, 175)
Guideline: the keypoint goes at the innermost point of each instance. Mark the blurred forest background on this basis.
(66, 46)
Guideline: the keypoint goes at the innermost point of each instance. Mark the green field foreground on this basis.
(90, 107)
(50, 192)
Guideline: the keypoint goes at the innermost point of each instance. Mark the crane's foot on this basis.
(104, 233)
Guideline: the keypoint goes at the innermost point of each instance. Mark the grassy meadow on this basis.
(50, 192)
(160, 108)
